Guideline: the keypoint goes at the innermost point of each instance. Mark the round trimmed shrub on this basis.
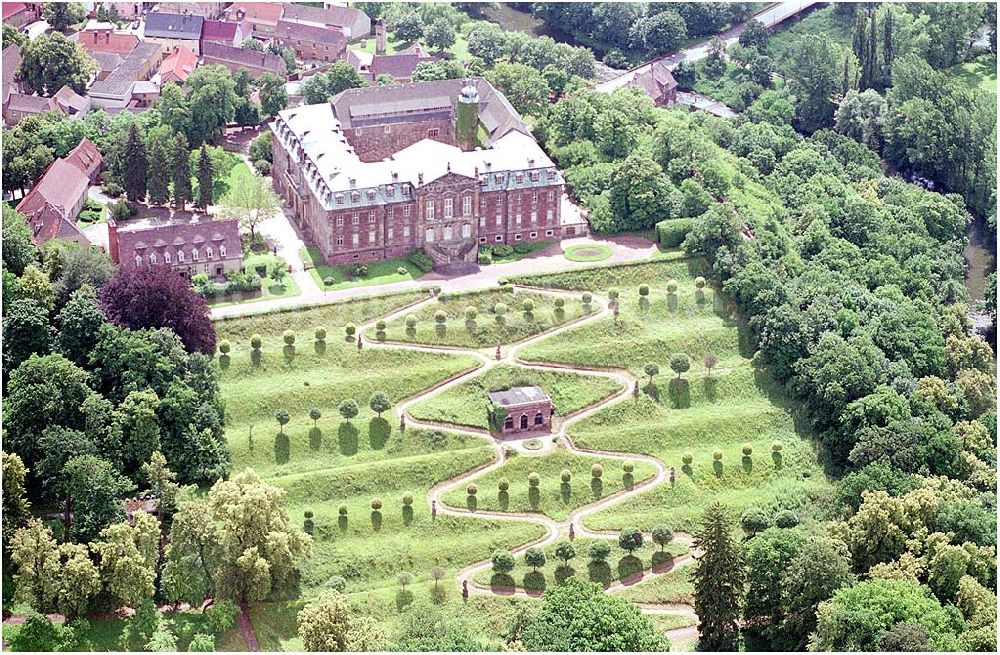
(628, 466)
(558, 303)
(533, 479)
(528, 306)
(699, 282)
(644, 290)
(411, 321)
(337, 583)
(754, 520)
(350, 329)
(401, 270)
(586, 298)
(502, 561)
(407, 498)
(747, 450)
(613, 294)
(380, 325)
(596, 471)
(786, 518)
(320, 334)
(342, 510)
(440, 317)
(288, 337)
(329, 281)
(499, 308)
(717, 455)
(687, 458)
(255, 342)
(471, 313)
(224, 346)
(566, 476)
(472, 490)
(376, 504)
(503, 484)
(599, 551)
(776, 446)
(671, 286)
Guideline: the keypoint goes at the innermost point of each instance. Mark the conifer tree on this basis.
(181, 170)
(204, 180)
(718, 582)
(135, 166)
(160, 164)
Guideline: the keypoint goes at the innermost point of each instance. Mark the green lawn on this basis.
(379, 272)
(552, 497)
(466, 403)
(620, 565)
(674, 586)
(979, 74)
(824, 21)
(488, 328)
(269, 288)
(587, 253)
(529, 247)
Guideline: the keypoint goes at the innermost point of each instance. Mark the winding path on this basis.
(554, 530)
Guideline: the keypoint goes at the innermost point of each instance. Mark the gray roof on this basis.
(119, 82)
(11, 62)
(518, 396)
(108, 61)
(161, 25)
(215, 51)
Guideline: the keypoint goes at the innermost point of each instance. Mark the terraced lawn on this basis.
(551, 497)
(465, 404)
(499, 317)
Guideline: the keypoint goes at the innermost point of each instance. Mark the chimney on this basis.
(420, 178)
(380, 37)
(113, 240)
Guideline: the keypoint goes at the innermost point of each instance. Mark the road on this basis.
(574, 523)
(771, 16)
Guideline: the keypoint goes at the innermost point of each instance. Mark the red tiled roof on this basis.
(214, 51)
(267, 13)
(180, 63)
(48, 203)
(23, 103)
(11, 62)
(105, 41)
(174, 237)
(301, 32)
(12, 8)
(217, 30)
(86, 157)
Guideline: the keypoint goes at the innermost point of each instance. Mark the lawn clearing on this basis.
(500, 317)
(379, 272)
(466, 403)
(674, 586)
(587, 252)
(979, 74)
(552, 497)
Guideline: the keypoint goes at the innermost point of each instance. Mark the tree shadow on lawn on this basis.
(628, 480)
(747, 464)
(652, 391)
(288, 351)
(534, 497)
(565, 492)
(319, 347)
(564, 571)
(282, 448)
(662, 562)
(711, 389)
(680, 393)
(407, 514)
(502, 583)
(503, 499)
(347, 437)
(315, 438)
(472, 502)
(596, 488)
(376, 520)
(403, 599)
(629, 570)
(599, 572)
(534, 583)
(378, 433)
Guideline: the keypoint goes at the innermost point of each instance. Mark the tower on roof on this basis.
(467, 117)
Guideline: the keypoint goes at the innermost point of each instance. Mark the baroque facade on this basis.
(442, 166)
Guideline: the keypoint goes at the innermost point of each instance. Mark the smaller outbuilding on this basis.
(528, 409)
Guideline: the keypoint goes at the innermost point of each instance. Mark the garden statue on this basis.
(465, 590)
(434, 509)
(498, 351)
(572, 534)
(673, 477)
(402, 423)
(359, 342)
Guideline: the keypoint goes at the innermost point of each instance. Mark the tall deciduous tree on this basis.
(61, 15)
(639, 194)
(250, 200)
(813, 69)
(135, 169)
(79, 322)
(273, 96)
(718, 582)
(15, 499)
(128, 556)
(821, 566)
(329, 626)
(212, 102)
(205, 177)
(52, 61)
(96, 491)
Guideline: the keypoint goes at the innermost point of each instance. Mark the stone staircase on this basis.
(454, 257)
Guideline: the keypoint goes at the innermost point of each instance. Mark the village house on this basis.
(205, 9)
(178, 65)
(11, 62)
(218, 31)
(528, 409)
(444, 166)
(262, 17)
(52, 205)
(99, 37)
(20, 14)
(236, 59)
(658, 83)
(19, 106)
(201, 245)
(171, 30)
(126, 10)
(353, 23)
(311, 43)
(116, 90)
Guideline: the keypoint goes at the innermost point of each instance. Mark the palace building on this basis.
(444, 166)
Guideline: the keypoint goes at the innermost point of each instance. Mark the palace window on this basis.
(138, 260)
(499, 237)
(340, 221)
(194, 254)
(371, 236)
(548, 215)
(482, 221)
(551, 195)
(517, 218)
(388, 234)
(534, 217)
(371, 216)
(355, 219)
(433, 132)
(466, 231)
(548, 233)
(354, 240)
(533, 235)
(406, 231)
(534, 197)
(499, 220)
(517, 237)
(467, 206)
(406, 211)
(429, 210)
(449, 207)
(152, 258)
(371, 194)
(340, 241)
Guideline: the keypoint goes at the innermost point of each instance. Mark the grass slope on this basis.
(465, 404)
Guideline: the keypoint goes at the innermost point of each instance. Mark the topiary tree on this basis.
(630, 539)
(558, 303)
(282, 417)
(320, 334)
(586, 298)
(342, 510)
(502, 561)
(754, 520)
(379, 402)
(710, 362)
(651, 369)
(643, 290)
(407, 499)
(288, 337)
(717, 455)
(533, 479)
(786, 518)
(662, 535)
(747, 450)
(256, 341)
(596, 471)
(687, 458)
(471, 489)
(307, 523)
(680, 363)
(776, 446)
(437, 574)
(503, 484)
(599, 551)
(376, 504)
(499, 308)
(628, 466)
(471, 313)
(671, 286)
(404, 578)
(565, 476)
(348, 408)
(613, 294)
(565, 551)
(224, 346)
(699, 282)
(380, 325)
(410, 321)
(528, 306)
(534, 557)
(440, 317)
(350, 329)
(337, 583)
(315, 415)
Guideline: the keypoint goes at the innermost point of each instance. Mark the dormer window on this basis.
(138, 260)
(390, 191)
(371, 194)
(552, 173)
(499, 178)
(520, 177)
(340, 199)
(355, 196)
(166, 257)
(534, 176)
(152, 258)
(194, 254)
(222, 250)
(180, 256)
(208, 252)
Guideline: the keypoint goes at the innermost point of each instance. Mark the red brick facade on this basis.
(375, 143)
(528, 409)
